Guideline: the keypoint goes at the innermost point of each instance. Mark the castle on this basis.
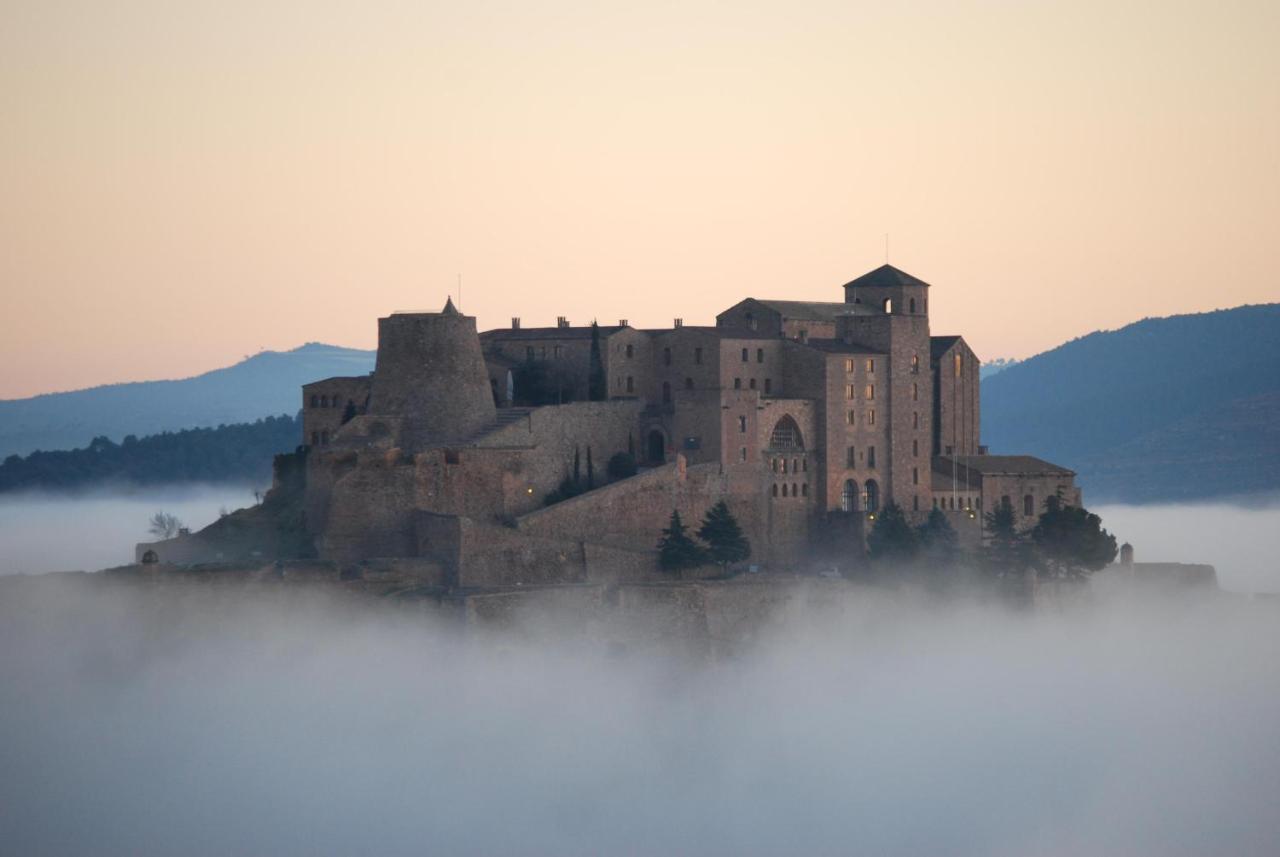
(804, 417)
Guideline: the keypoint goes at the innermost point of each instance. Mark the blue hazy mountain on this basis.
(1184, 407)
(261, 385)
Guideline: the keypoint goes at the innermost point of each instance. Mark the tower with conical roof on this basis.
(430, 377)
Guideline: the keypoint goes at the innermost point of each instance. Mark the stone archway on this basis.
(656, 448)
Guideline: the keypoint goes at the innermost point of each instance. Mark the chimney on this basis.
(1126, 554)
(561, 321)
(622, 322)
(679, 322)
(515, 322)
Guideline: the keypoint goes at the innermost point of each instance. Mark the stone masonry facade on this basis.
(789, 411)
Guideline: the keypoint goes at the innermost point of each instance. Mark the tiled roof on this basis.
(884, 276)
(993, 465)
(545, 333)
(814, 310)
(938, 345)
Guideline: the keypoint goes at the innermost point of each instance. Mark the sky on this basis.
(185, 184)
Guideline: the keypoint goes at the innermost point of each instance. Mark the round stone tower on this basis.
(430, 376)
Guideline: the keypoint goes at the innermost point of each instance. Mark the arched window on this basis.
(958, 362)
(804, 489)
(630, 351)
(775, 489)
(849, 496)
(1028, 505)
(742, 425)
(631, 384)
(666, 391)
(794, 490)
(786, 435)
(915, 364)
(784, 489)
(871, 496)
(887, 305)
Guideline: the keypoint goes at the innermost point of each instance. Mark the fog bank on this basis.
(41, 532)
(167, 721)
(1242, 541)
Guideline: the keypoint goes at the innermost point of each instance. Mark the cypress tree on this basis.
(892, 538)
(676, 550)
(591, 471)
(723, 536)
(597, 386)
(577, 467)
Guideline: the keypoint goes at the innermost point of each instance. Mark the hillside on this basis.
(240, 453)
(1169, 408)
(267, 383)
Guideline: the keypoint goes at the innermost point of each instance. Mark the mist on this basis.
(87, 531)
(197, 720)
(209, 723)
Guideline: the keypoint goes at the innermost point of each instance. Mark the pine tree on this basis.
(676, 550)
(597, 385)
(892, 538)
(938, 540)
(591, 471)
(724, 537)
(1006, 552)
(577, 467)
(1070, 541)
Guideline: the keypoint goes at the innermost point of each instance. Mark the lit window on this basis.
(851, 418)
(742, 425)
(871, 418)
(849, 392)
(871, 365)
(848, 365)
(915, 364)
(871, 392)
(958, 363)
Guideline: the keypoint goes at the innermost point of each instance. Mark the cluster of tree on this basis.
(723, 540)
(620, 466)
(229, 453)
(1067, 542)
(552, 382)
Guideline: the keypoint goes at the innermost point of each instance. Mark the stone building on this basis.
(790, 411)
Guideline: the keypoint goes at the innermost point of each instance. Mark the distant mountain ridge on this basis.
(266, 383)
(1182, 407)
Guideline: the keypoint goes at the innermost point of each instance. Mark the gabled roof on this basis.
(813, 310)
(940, 345)
(546, 333)
(885, 276)
(993, 465)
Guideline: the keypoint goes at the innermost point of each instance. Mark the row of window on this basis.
(556, 352)
(851, 417)
(319, 438)
(868, 500)
(962, 503)
(802, 491)
(798, 465)
(850, 364)
(751, 384)
(320, 401)
(851, 457)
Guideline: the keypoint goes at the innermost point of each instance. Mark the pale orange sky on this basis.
(184, 183)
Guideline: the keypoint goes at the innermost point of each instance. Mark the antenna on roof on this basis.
(459, 292)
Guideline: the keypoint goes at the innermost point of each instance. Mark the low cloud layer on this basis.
(85, 532)
(197, 722)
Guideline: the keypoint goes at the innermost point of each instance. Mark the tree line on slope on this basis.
(241, 452)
